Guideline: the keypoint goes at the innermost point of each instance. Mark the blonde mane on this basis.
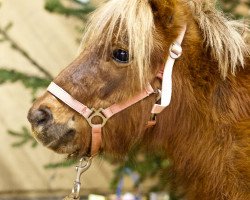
(116, 17)
(223, 38)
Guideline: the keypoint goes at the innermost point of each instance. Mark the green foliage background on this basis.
(151, 165)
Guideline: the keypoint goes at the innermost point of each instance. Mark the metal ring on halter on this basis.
(98, 113)
(175, 50)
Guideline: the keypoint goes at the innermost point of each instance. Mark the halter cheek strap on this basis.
(166, 76)
(175, 52)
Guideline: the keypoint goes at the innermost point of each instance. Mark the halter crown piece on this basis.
(165, 74)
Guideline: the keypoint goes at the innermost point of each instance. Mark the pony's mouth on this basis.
(72, 151)
(62, 143)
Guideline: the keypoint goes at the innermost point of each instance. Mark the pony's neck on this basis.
(194, 74)
(197, 129)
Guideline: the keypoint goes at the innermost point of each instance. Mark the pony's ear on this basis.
(163, 10)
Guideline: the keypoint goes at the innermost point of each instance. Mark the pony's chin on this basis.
(75, 155)
(71, 150)
(67, 149)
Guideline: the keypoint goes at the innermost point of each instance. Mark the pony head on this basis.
(125, 45)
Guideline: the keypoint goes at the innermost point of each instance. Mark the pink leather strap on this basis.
(96, 140)
(69, 100)
(115, 108)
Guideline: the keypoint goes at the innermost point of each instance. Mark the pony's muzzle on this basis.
(40, 117)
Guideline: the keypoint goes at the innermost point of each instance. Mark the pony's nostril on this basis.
(40, 116)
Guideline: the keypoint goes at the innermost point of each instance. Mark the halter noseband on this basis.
(175, 52)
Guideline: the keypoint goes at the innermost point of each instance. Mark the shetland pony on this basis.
(205, 131)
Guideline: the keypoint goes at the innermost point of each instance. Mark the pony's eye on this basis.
(121, 55)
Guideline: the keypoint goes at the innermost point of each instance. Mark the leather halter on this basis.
(175, 52)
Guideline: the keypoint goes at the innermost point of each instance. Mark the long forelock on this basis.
(223, 38)
(116, 17)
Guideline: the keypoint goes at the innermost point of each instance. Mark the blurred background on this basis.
(38, 38)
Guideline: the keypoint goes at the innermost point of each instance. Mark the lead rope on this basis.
(83, 166)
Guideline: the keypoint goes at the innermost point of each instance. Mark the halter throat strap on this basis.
(165, 74)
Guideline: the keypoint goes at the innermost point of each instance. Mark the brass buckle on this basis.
(98, 113)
